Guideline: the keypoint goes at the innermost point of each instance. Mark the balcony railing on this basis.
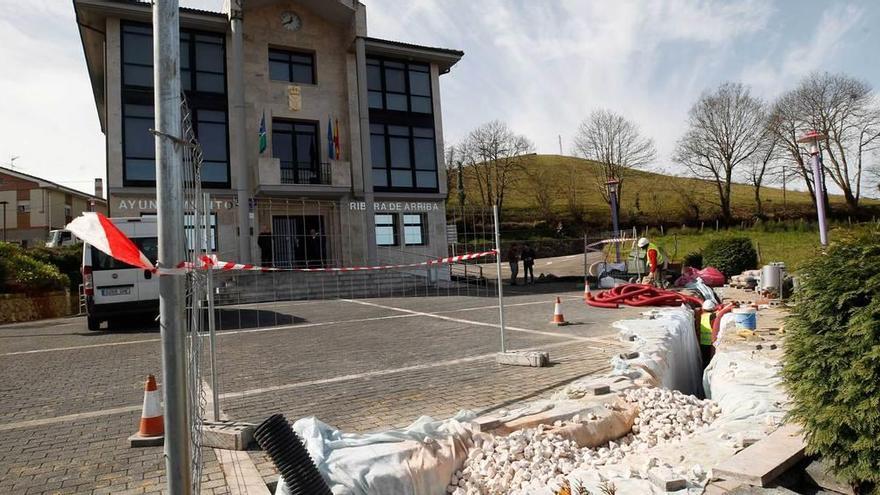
(317, 173)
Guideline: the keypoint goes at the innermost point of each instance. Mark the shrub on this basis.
(68, 259)
(831, 365)
(23, 273)
(730, 255)
(693, 260)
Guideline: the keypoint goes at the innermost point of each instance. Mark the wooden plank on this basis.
(763, 461)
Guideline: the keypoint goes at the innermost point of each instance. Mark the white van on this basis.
(61, 237)
(114, 289)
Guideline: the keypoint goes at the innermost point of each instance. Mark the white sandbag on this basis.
(416, 460)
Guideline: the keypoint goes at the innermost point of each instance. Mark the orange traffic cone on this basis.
(152, 427)
(558, 319)
(587, 291)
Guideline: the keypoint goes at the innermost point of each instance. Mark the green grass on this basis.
(792, 246)
(648, 198)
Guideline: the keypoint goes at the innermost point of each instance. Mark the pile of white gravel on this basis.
(534, 459)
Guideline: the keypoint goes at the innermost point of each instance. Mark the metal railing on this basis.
(317, 173)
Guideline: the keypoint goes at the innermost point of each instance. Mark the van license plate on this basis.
(116, 291)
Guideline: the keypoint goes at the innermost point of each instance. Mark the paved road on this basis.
(70, 398)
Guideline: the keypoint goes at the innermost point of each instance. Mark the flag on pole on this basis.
(263, 133)
(337, 151)
(331, 149)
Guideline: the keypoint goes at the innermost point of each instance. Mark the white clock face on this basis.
(291, 21)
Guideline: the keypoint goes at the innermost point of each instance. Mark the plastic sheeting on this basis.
(416, 460)
(668, 349)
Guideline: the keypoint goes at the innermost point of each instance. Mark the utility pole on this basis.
(238, 129)
(169, 196)
(560, 144)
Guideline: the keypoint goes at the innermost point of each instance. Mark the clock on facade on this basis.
(291, 21)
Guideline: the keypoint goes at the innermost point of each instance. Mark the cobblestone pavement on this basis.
(70, 398)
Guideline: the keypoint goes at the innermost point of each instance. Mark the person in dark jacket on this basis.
(528, 259)
(513, 259)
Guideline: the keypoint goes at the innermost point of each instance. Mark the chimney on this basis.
(99, 187)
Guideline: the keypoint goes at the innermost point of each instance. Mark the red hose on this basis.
(639, 295)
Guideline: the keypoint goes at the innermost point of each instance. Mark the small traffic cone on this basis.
(152, 426)
(558, 319)
(587, 294)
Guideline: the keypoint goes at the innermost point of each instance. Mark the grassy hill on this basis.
(648, 198)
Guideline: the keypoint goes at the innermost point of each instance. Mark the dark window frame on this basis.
(316, 164)
(408, 94)
(288, 52)
(423, 228)
(197, 100)
(412, 137)
(394, 228)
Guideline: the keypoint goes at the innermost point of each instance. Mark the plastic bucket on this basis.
(746, 318)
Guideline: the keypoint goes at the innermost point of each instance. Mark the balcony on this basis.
(329, 179)
(318, 173)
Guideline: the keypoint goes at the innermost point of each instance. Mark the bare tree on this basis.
(542, 189)
(845, 109)
(762, 168)
(494, 155)
(455, 173)
(786, 124)
(725, 128)
(616, 144)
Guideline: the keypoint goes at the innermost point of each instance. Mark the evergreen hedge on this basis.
(730, 255)
(832, 359)
(23, 273)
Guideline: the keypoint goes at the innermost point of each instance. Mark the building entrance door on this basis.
(298, 241)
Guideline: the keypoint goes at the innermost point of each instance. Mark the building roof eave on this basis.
(445, 58)
(43, 183)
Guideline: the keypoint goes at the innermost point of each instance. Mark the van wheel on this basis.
(93, 324)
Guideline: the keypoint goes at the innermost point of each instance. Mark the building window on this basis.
(210, 241)
(139, 149)
(203, 79)
(24, 206)
(399, 86)
(386, 229)
(415, 229)
(202, 59)
(295, 144)
(403, 157)
(291, 66)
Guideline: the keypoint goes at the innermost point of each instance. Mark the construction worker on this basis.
(656, 261)
(707, 318)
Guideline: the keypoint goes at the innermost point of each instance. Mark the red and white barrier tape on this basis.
(611, 240)
(212, 263)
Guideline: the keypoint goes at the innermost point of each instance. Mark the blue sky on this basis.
(540, 66)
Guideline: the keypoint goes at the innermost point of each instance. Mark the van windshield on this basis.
(148, 245)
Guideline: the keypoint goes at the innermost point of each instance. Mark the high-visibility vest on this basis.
(706, 327)
(660, 258)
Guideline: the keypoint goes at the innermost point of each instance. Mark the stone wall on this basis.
(24, 307)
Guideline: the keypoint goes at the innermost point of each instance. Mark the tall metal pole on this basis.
(498, 270)
(812, 139)
(819, 182)
(212, 324)
(238, 128)
(169, 195)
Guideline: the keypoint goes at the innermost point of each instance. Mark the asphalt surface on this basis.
(70, 397)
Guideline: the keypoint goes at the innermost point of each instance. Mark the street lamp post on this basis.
(812, 138)
(613, 185)
(4, 203)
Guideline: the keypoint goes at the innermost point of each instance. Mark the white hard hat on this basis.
(709, 305)
(643, 242)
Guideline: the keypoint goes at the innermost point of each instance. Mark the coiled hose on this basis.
(640, 295)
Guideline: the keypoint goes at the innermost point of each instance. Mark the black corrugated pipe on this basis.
(290, 457)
